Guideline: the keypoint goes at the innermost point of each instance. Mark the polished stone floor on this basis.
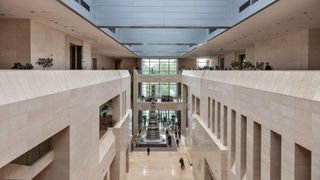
(159, 166)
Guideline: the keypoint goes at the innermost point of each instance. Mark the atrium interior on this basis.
(159, 89)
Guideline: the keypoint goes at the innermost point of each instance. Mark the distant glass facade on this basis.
(202, 63)
(165, 118)
(162, 89)
(159, 66)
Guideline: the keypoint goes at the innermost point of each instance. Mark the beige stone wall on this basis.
(229, 58)
(187, 63)
(26, 41)
(314, 49)
(36, 112)
(293, 51)
(128, 63)
(86, 55)
(287, 107)
(104, 62)
(14, 42)
(288, 52)
(250, 54)
(47, 42)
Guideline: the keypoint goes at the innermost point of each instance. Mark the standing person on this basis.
(148, 151)
(268, 67)
(181, 163)
(177, 141)
(179, 134)
(175, 133)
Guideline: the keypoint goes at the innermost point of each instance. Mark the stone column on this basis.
(265, 153)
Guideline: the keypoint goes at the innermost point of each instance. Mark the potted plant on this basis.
(247, 65)
(18, 65)
(45, 63)
(260, 65)
(111, 122)
(236, 65)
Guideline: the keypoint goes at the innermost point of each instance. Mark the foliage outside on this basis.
(159, 66)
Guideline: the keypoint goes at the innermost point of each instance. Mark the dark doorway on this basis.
(94, 64)
(242, 57)
(75, 56)
(221, 63)
(117, 64)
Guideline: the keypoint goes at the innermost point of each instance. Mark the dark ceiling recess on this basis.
(211, 30)
(244, 6)
(83, 4)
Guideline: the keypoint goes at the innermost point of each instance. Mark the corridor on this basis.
(159, 165)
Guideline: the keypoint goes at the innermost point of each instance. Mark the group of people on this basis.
(166, 98)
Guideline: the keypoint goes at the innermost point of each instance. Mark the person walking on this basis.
(181, 161)
(179, 134)
(148, 151)
(177, 141)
